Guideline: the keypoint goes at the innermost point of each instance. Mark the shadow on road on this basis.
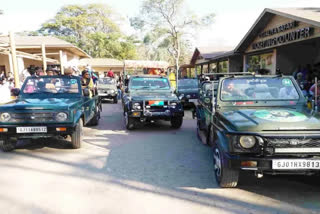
(173, 163)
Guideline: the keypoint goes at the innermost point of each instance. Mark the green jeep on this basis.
(258, 123)
(48, 106)
(148, 98)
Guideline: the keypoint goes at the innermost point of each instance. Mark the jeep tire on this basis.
(76, 136)
(115, 100)
(95, 120)
(129, 121)
(6, 145)
(176, 122)
(225, 176)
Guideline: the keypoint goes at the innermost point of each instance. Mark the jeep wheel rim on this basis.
(217, 162)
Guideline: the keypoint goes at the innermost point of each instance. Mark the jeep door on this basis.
(89, 106)
(205, 100)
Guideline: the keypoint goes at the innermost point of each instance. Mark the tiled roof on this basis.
(310, 15)
(211, 53)
(101, 62)
(145, 64)
(37, 41)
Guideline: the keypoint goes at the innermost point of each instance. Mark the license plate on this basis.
(295, 164)
(39, 129)
(156, 103)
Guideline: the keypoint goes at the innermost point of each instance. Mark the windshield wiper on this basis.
(43, 92)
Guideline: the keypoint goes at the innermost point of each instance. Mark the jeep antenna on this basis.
(316, 94)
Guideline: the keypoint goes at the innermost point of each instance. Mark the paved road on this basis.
(151, 170)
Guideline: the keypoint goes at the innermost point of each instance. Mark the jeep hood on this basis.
(107, 87)
(187, 90)
(281, 119)
(153, 95)
(41, 104)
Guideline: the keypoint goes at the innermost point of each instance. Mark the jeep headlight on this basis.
(173, 104)
(247, 142)
(136, 106)
(61, 116)
(111, 91)
(5, 117)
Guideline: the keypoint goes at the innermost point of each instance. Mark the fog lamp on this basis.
(63, 129)
(249, 163)
(3, 130)
(136, 114)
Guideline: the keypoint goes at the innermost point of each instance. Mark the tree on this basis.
(93, 28)
(171, 22)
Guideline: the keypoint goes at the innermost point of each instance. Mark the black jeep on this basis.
(148, 98)
(260, 124)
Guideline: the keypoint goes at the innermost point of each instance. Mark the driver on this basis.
(288, 92)
(230, 92)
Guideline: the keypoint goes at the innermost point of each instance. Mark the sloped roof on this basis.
(145, 64)
(211, 53)
(24, 42)
(306, 15)
(101, 62)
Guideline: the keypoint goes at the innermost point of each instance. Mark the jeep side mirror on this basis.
(15, 92)
(86, 92)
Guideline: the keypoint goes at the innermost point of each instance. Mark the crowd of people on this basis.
(305, 77)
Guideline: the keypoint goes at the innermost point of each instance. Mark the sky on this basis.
(233, 18)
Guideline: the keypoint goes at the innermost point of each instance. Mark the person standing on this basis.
(4, 91)
(87, 82)
(110, 73)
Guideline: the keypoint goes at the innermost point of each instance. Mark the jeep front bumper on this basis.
(52, 130)
(286, 164)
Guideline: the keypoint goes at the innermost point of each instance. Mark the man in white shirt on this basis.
(4, 91)
(288, 92)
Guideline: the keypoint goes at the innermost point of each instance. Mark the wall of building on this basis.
(4, 61)
(235, 64)
(291, 56)
(279, 21)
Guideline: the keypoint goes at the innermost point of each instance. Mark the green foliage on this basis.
(167, 26)
(93, 28)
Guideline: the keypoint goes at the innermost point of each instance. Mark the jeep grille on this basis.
(36, 117)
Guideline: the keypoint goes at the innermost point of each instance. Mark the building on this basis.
(281, 40)
(30, 52)
(102, 65)
(216, 60)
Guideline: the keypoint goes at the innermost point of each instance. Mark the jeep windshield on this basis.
(188, 84)
(50, 85)
(149, 83)
(258, 89)
(106, 81)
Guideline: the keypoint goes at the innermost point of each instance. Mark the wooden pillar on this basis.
(10, 63)
(14, 60)
(61, 63)
(44, 59)
(244, 63)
